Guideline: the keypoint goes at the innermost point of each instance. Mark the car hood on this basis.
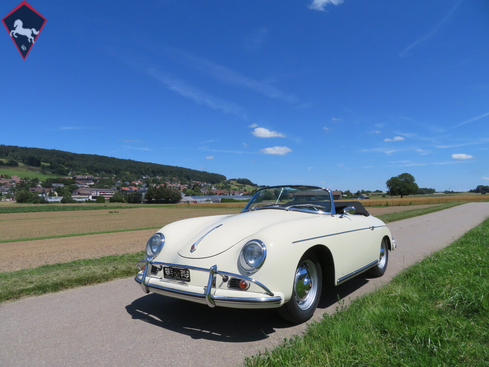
(225, 233)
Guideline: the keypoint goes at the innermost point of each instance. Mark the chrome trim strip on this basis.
(194, 246)
(356, 272)
(335, 234)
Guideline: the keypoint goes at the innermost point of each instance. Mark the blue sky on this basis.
(342, 94)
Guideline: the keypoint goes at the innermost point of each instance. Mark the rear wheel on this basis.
(379, 269)
(306, 291)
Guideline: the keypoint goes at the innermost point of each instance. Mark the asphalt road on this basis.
(116, 324)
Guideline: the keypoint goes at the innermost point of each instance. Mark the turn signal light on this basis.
(243, 284)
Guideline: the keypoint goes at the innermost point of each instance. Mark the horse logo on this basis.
(18, 29)
(22, 16)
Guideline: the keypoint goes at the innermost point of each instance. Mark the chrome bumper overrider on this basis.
(207, 296)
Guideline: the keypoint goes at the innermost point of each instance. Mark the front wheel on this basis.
(379, 269)
(308, 282)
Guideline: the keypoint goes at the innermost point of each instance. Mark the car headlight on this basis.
(155, 244)
(252, 256)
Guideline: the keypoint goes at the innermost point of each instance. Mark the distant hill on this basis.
(52, 161)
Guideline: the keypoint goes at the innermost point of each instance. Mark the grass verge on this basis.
(405, 214)
(77, 234)
(436, 313)
(53, 278)
(32, 208)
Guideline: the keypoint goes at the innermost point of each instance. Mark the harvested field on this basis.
(49, 224)
(30, 254)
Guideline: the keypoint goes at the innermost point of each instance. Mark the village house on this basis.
(92, 193)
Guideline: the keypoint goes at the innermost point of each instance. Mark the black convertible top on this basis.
(359, 208)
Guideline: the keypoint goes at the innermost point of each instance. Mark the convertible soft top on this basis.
(359, 208)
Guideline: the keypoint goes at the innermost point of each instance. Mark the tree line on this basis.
(65, 163)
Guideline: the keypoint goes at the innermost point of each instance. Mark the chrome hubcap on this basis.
(383, 257)
(305, 284)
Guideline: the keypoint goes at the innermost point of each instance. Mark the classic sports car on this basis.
(277, 253)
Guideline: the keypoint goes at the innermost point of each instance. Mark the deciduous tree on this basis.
(402, 185)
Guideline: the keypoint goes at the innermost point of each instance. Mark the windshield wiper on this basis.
(314, 206)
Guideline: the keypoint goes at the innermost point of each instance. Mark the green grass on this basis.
(436, 313)
(78, 234)
(30, 208)
(24, 171)
(405, 214)
(53, 278)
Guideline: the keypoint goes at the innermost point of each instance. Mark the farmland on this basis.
(32, 239)
(29, 240)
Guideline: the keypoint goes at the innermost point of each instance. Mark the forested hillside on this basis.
(64, 163)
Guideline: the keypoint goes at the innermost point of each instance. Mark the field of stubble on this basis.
(56, 237)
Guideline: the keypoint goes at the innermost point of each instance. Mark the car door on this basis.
(358, 241)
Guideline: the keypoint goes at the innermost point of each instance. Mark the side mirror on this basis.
(348, 210)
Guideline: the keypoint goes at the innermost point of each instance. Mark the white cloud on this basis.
(427, 36)
(380, 150)
(472, 119)
(326, 129)
(261, 132)
(276, 150)
(396, 138)
(230, 77)
(462, 156)
(209, 157)
(188, 91)
(320, 5)
(485, 178)
(136, 148)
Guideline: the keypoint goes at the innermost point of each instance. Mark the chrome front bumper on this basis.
(209, 294)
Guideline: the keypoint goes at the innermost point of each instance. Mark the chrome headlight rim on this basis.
(154, 245)
(252, 256)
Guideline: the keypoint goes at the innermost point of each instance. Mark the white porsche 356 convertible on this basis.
(277, 253)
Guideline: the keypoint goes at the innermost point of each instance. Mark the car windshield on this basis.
(307, 198)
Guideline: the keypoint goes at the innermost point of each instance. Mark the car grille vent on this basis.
(154, 270)
(234, 283)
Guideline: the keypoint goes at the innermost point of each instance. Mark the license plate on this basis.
(176, 273)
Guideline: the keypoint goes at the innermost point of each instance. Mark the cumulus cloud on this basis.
(276, 150)
(396, 138)
(462, 156)
(261, 132)
(320, 5)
